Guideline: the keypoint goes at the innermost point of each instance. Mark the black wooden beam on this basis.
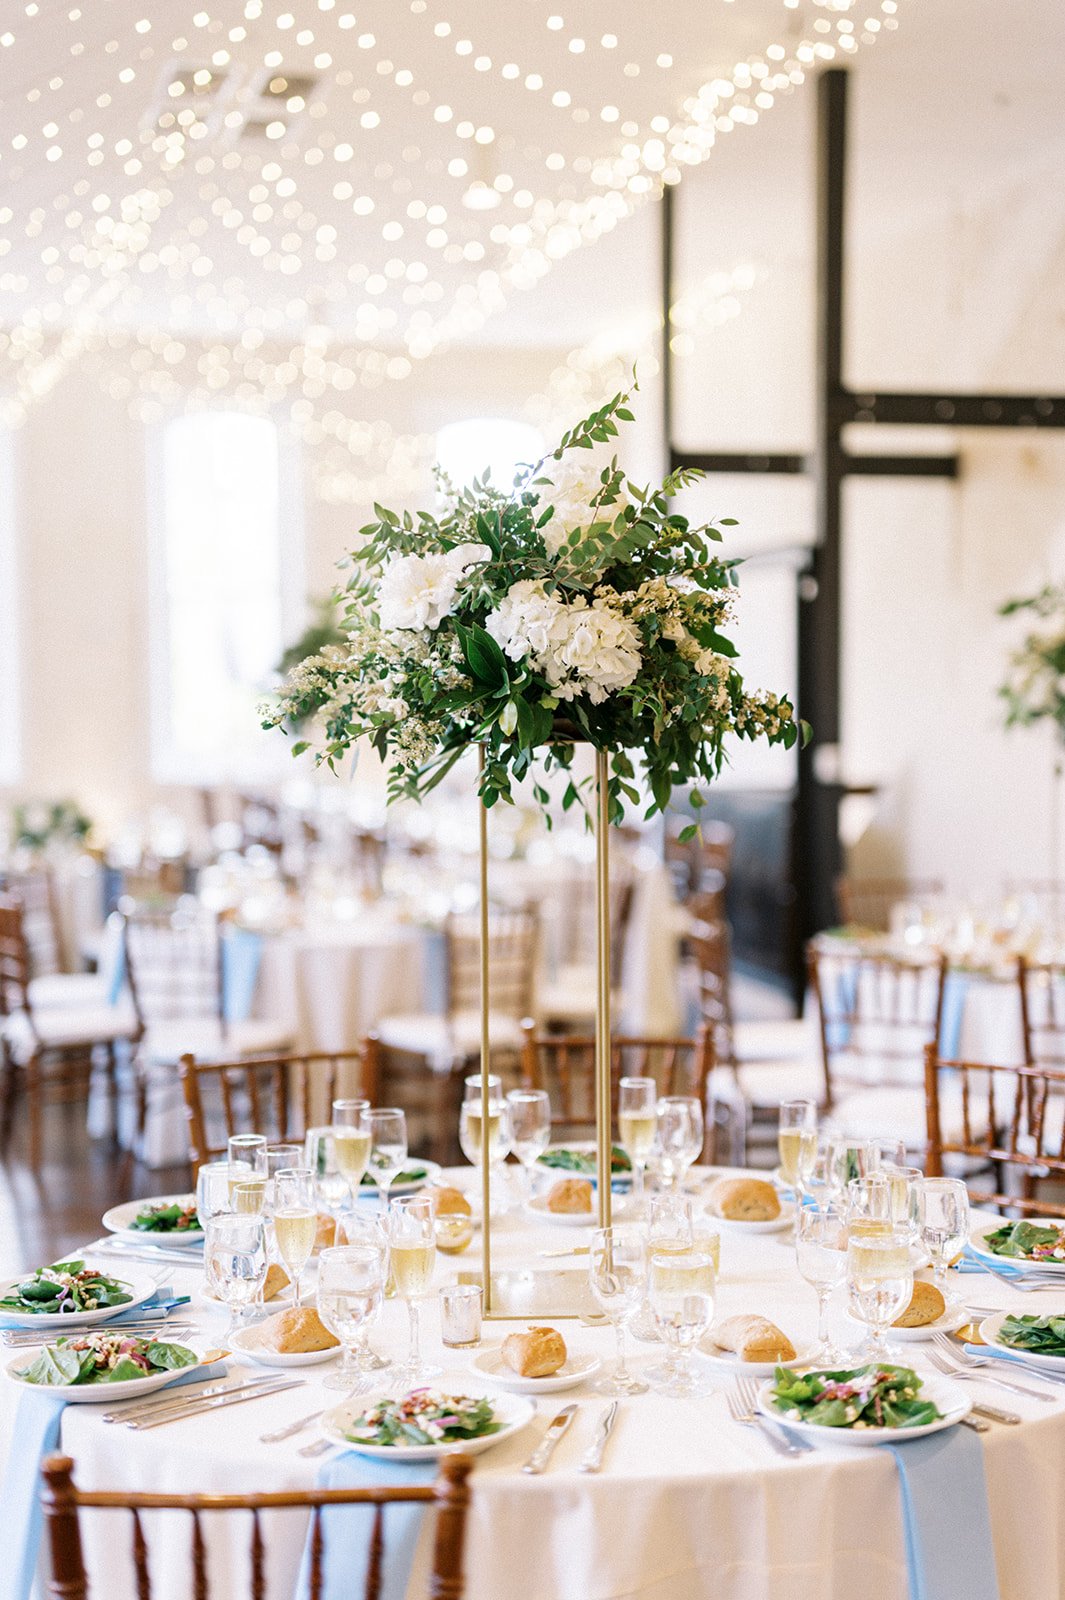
(901, 466)
(951, 410)
(737, 461)
(864, 466)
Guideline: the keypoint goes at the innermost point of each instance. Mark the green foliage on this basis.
(1034, 688)
(36, 824)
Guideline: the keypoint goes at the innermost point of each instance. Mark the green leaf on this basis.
(171, 1356)
(483, 656)
(54, 1366)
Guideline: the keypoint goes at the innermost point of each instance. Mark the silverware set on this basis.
(592, 1458)
(742, 1400)
(141, 1328)
(1027, 1279)
(950, 1358)
(176, 1406)
(185, 1256)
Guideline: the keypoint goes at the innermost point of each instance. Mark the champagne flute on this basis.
(529, 1118)
(681, 1295)
(617, 1273)
(248, 1196)
(412, 1253)
(247, 1161)
(943, 1210)
(351, 1286)
(212, 1191)
(678, 1137)
(295, 1221)
(330, 1184)
(470, 1122)
(637, 1125)
(879, 1283)
(234, 1258)
(797, 1144)
(388, 1148)
(278, 1156)
(821, 1256)
(351, 1141)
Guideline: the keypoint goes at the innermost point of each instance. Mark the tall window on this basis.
(9, 619)
(465, 449)
(224, 595)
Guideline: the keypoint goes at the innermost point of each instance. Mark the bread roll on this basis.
(926, 1304)
(536, 1354)
(294, 1331)
(753, 1339)
(276, 1280)
(744, 1200)
(570, 1195)
(325, 1237)
(450, 1202)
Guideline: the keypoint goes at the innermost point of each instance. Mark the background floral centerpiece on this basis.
(574, 606)
(1035, 686)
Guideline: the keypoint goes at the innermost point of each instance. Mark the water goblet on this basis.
(879, 1283)
(943, 1210)
(234, 1258)
(388, 1148)
(369, 1231)
(330, 1185)
(529, 1117)
(212, 1191)
(351, 1285)
(678, 1137)
(617, 1273)
(412, 1253)
(681, 1295)
(821, 1256)
(295, 1221)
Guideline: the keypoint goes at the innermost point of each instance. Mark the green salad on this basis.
(409, 1175)
(863, 1397)
(173, 1218)
(1044, 1336)
(424, 1417)
(1028, 1241)
(583, 1161)
(65, 1288)
(105, 1358)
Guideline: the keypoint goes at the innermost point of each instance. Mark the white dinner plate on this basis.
(989, 1333)
(949, 1396)
(369, 1191)
(537, 1208)
(786, 1219)
(90, 1393)
(140, 1289)
(581, 1147)
(577, 1367)
(119, 1218)
(248, 1342)
(979, 1248)
(511, 1410)
(729, 1360)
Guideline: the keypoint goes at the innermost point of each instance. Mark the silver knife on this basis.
(185, 1395)
(995, 1414)
(235, 1397)
(592, 1459)
(975, 1423)
(555, 1429)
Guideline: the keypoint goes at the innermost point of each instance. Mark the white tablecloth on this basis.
(689, 1506)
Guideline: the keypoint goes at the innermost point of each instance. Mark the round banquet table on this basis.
(688, 1506)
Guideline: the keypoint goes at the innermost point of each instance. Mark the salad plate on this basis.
(415, 1175)
(76, 1282)
(729, 1360)
(159, 1219)
(76, 1369)
(786, 1219)
(248, 1342)
(372, 1426)
(579, 1160)
(1038, 1340)
(1013, 1244)
(577, 1368)
(943, 1397)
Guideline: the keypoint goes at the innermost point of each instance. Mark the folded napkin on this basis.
(242, 952)
(34, 1436)
(164, 1299)
(1001, 1355)
(346, 1530)
(955, 992)
(971, 1262)
(946, 1519)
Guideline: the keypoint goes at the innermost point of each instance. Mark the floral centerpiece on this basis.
(1035, 686)
(575, 606)
(37, 824)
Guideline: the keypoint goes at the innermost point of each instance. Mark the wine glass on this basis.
(905, 1183)
(367, 1230)
(388, 1148)
(351, 1141)
(351, 1286)
(212, 1191)
(234, 1258)
(678, 1137)
(470, 1122)
(412, 1252)
(943, 1209)
(797, 1143)
(879, 1283)
(669, 1231)
(295, 1221)
(278, 1156)
(617, 1273)
(847, 1158)
(821, 1256)
(637, 1124)
(529, 1116)
(248, 1196)
(681, 1295)
(330, 1184)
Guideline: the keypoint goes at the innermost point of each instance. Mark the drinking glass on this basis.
(905, 1183)
(388, 1148)
(351, 1286)
(879, 1283)
(330, 1184)
(212, 1191)
(821, 1256)
(681, 1294)
(669, 1231)
(943, 1209)
(295, 1221)
(470, 1122)
(637, 1125)
(847, 1158)
(278, 1156)
(412, 1252)
(248, 1196)
(369, 1231)
(868, 1204)
(617, 1273)
(248, 1149)
(529, 1117)
(234, 1258)
(797, 1143)
(678, 1137)
(351, 1141)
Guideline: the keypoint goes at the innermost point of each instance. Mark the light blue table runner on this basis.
(946, 1517)
(346, 1529)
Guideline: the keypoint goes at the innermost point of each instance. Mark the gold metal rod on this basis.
(603, 1131)
(486, 1175)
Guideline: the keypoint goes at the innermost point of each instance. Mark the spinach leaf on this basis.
(171, 1356)
(55, 1366)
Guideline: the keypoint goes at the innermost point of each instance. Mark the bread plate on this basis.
(785, 1220)
(730, 1361)
(576, 1369)
(248, 1342)
(91, 1393)
(948, 1321)
(949, 1396)
(140, 1287)
(512, 1411)
(538, 1209)
(119, 1221)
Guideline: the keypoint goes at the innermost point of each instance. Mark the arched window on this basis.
(465, 449)
(225, 594)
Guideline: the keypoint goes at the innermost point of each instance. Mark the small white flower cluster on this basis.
(571, 492)
(579, 648)
(418, 592)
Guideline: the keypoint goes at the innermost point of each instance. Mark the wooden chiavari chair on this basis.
(867, 902)
(1009, 1119)
(69, 1580)
(1042, 994)
(280, 1096)
(568, 1000)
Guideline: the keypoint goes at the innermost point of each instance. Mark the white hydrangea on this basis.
(527, 621)
(580, 649)
(574, 485)
(418, 592)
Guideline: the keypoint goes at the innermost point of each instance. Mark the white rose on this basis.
(417, 591)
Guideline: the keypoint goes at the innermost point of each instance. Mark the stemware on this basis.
(330, 1184)
(248, 1196)
(678, 1137)
(247, 1162)
(234, 1258)
(617, 1273)
(847, 1158)
(821, 1256)
(369, 1231)
(797, 1144)
(412, 1254)
(669, 1231)
(388, 1148)
(943, 1209)
(351, 1141)
(637, 1125)
(529, 1118)
(295, 1221)
(212, 1191)
(498, 1123)
(879, 1282)
(351, 1285)
(681, 1295)
(278, 1156)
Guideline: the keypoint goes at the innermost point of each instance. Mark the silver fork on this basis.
(1028, 1280)
(740, 1398)
(950, 1370)
(287, 1432)
(963, 1358)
